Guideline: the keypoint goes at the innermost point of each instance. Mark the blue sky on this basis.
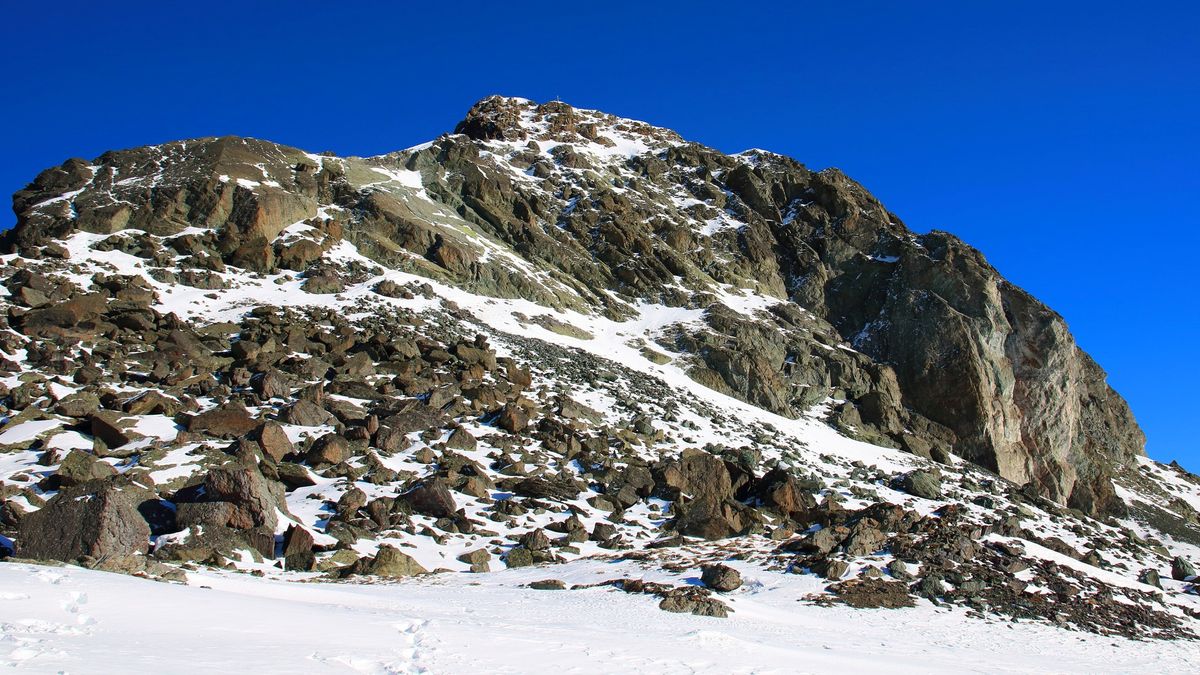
(1059, 138)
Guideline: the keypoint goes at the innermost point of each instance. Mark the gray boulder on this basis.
(99, 519)
(921, 483)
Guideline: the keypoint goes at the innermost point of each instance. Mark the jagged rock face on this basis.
(928, 346)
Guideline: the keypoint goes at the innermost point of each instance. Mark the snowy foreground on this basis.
(67, 619)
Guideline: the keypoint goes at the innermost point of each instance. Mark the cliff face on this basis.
(913, 341)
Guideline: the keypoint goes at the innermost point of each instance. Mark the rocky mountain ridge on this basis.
(550, 335)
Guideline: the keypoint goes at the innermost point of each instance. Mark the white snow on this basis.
(67, 619)
(406, 178)
(27, 431)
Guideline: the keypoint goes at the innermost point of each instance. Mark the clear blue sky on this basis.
(1060, 138)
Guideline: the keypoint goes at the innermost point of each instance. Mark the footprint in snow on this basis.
(51, 577)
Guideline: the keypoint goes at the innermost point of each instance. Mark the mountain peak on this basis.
(519, 120)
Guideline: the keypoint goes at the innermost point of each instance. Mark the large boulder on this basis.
(100, 519)
(80, 467)
(257, 501)
(702, 487)
(227, 421)
(431, 497)
(721, 578)
(779, 490)
(390, 562)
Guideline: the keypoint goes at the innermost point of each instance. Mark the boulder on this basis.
(80, 467)
(431, 497)
(721, 578)
(272, 440)
(100, 519)
(390, 562)
(230, 420)
(921, 483)
(256, 499)
(1182, 569)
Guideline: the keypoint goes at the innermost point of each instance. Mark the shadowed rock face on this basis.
(928, 346)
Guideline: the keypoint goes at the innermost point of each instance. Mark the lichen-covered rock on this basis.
(921, 483)
(80, 467)
(390, 562)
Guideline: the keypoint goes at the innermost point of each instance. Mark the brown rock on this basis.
(272, 440)
(513, 418)
(256, 499)
(721, 578)
(230, 420)
(433, 498)
(328, 449)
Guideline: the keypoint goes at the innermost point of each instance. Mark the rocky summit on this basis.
(556, 337)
